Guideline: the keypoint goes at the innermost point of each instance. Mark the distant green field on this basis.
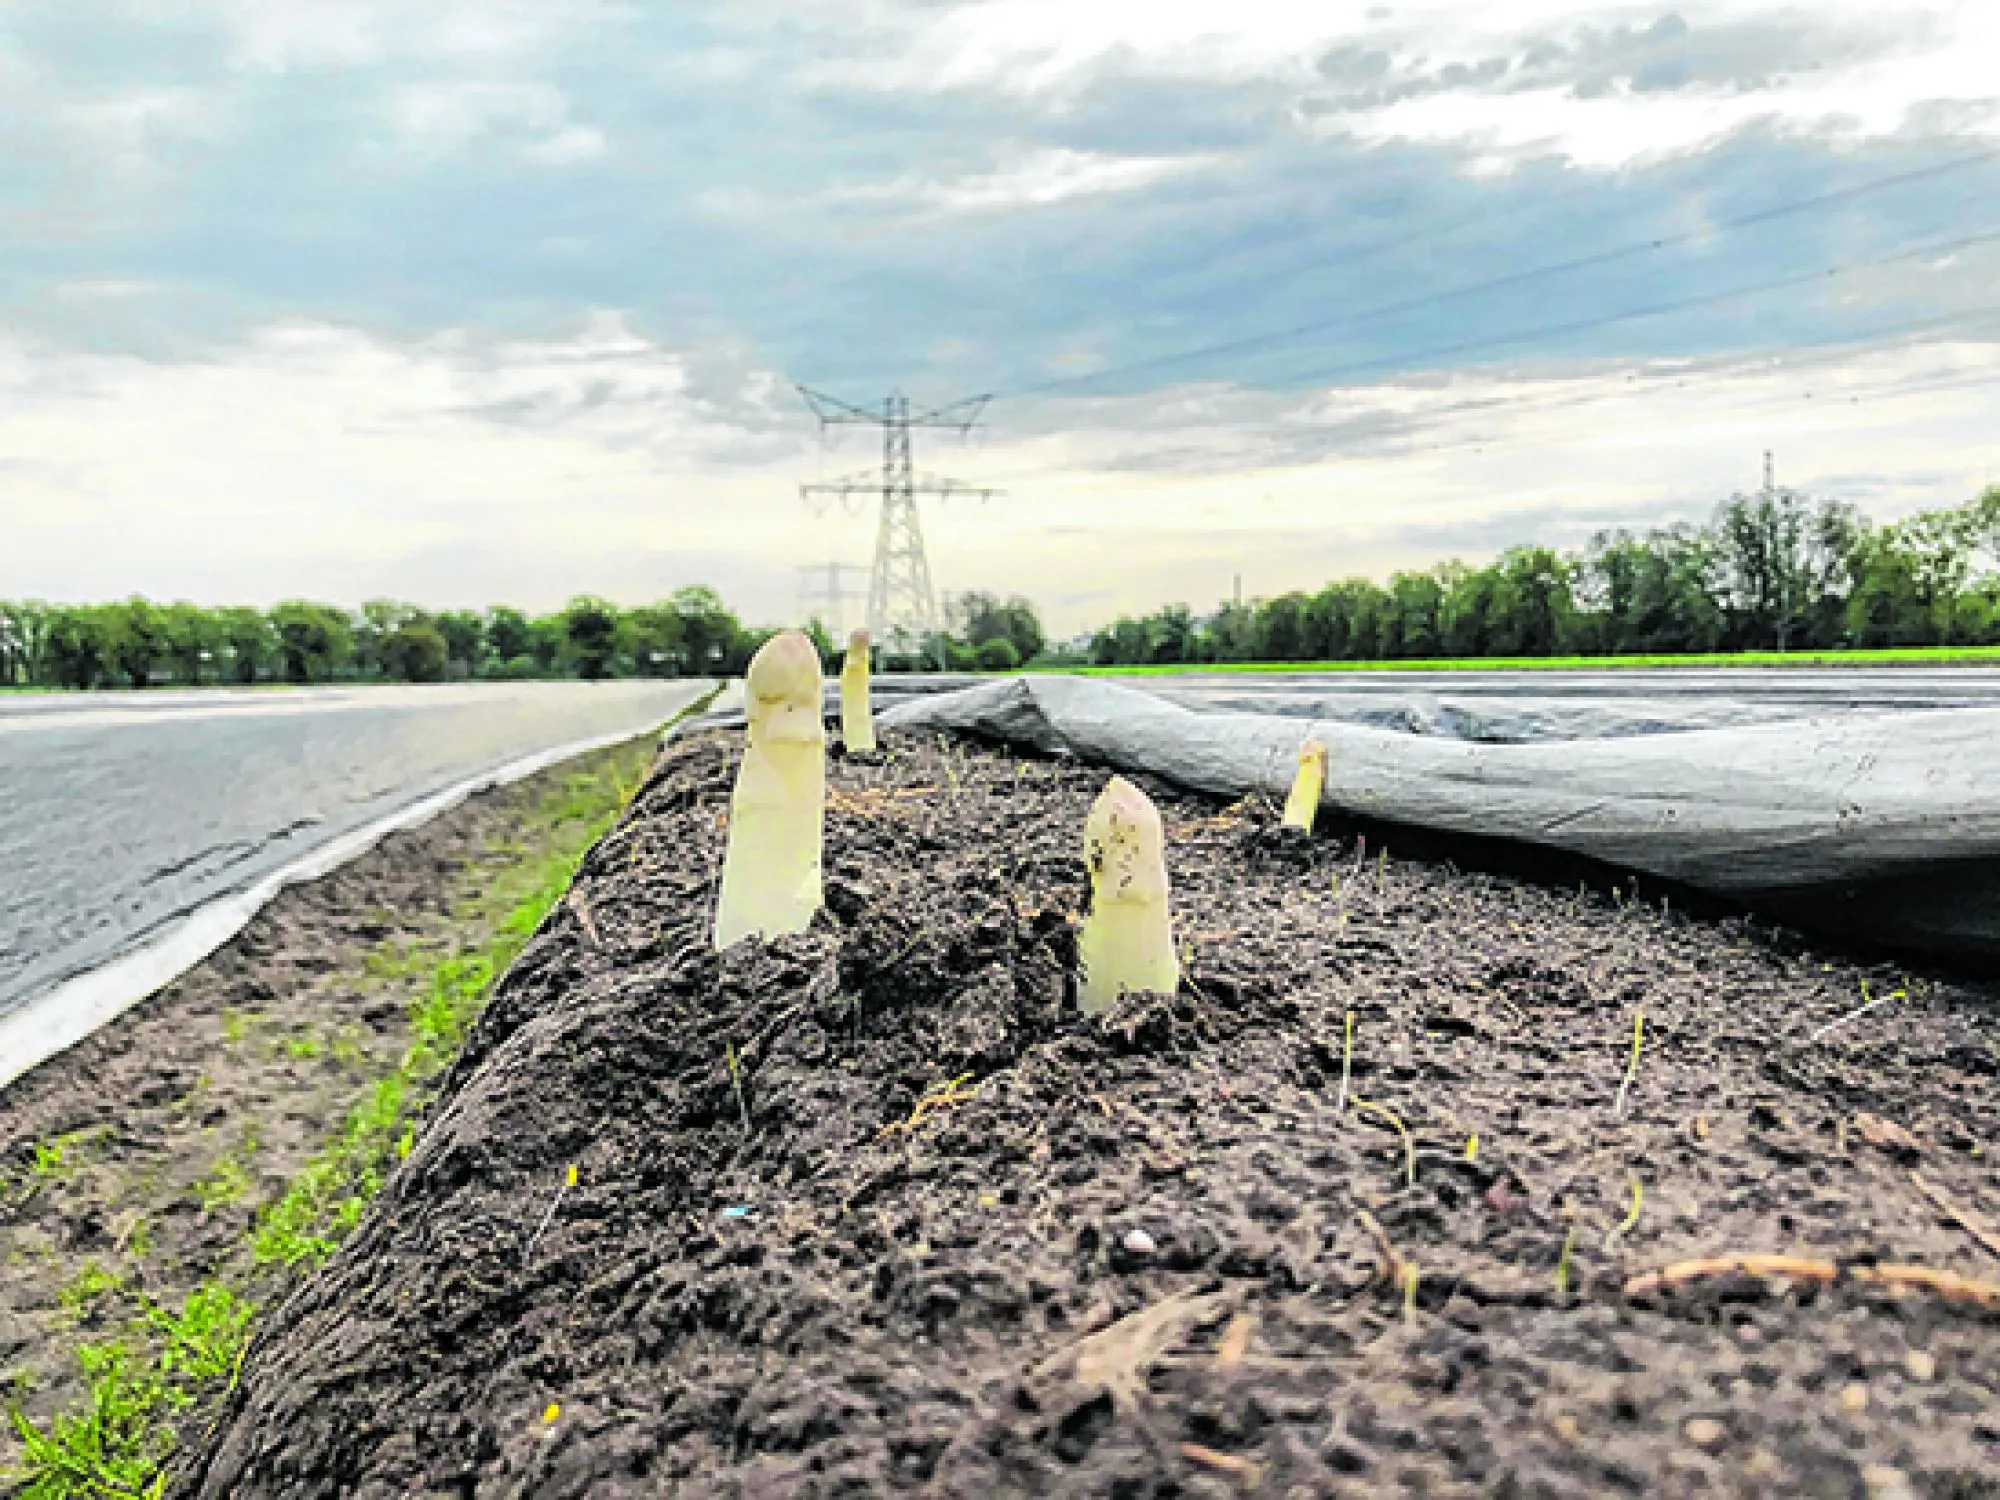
(1968, 656)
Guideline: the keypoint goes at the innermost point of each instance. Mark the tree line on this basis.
(1774, 571)
(138, 643)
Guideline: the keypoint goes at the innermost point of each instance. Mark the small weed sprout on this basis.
(940, 1098)
(207, 1339)
(1562, 1264)
(1631, 1220)
(90, 1283)
(857, 713)
(1631, 1068)
(229, 1181)
(777, 813)
(1308, 783)
(1411, 1278)
(59, 1156)
(1127, 942)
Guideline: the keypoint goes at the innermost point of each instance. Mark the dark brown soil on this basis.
(160, 1138)
(1134, 1257)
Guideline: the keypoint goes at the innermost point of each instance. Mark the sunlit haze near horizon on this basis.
(507, 302)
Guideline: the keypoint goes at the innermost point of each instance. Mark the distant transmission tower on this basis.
(902, 605)
(823, 595)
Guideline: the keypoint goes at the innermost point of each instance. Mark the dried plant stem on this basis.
(1346, 1068)
(568, 1182)
(1853, 1015)
(1368, 1106)
(736, 1082)
(1946, 1284)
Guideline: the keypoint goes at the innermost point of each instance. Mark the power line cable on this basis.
(1653, 383)
(1833, 402)
(1905, 335)
(1657, 309)
(1529, 277)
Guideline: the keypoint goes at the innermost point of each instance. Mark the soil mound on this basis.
(874, 1210)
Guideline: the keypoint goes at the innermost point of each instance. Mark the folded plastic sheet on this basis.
(1879, 826)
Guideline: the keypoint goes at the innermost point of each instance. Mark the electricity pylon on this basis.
(902, 605)
(823, 595)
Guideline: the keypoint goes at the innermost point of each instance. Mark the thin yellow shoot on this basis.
(1307, 785)
(777, 814)
(1632, 1068)
(1562, 1265)
(857, 714)
(1127, 942)
(1631, 1220)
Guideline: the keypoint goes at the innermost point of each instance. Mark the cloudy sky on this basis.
(490, 299)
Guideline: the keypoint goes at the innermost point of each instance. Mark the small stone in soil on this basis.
(1921, 1364)
(1138, 1242)
(1885, 1483)
(1854, 1398)
(1705, 1432)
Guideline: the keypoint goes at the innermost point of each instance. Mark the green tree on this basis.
(137, 635)
(976, 618)
(653, 637)
(1410, 616)
(547, 643)
(192, 637)
(1281, 629)
(1173, 635)
(712, 639)
(1785, 565)
(507, 633)
(24, 630)
(416, 652)
(250, 641)
(313, 640)
(78, 647)
(997, 654)
(464, 634)
(1530, 608)
(590, 635)
(373, 624)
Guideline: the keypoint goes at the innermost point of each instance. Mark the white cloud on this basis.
(1036, 179)
(336, 34)
(444, 119)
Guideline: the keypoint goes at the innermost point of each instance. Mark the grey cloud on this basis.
(1665, 55)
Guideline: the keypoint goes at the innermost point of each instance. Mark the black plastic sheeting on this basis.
(1873, 817)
